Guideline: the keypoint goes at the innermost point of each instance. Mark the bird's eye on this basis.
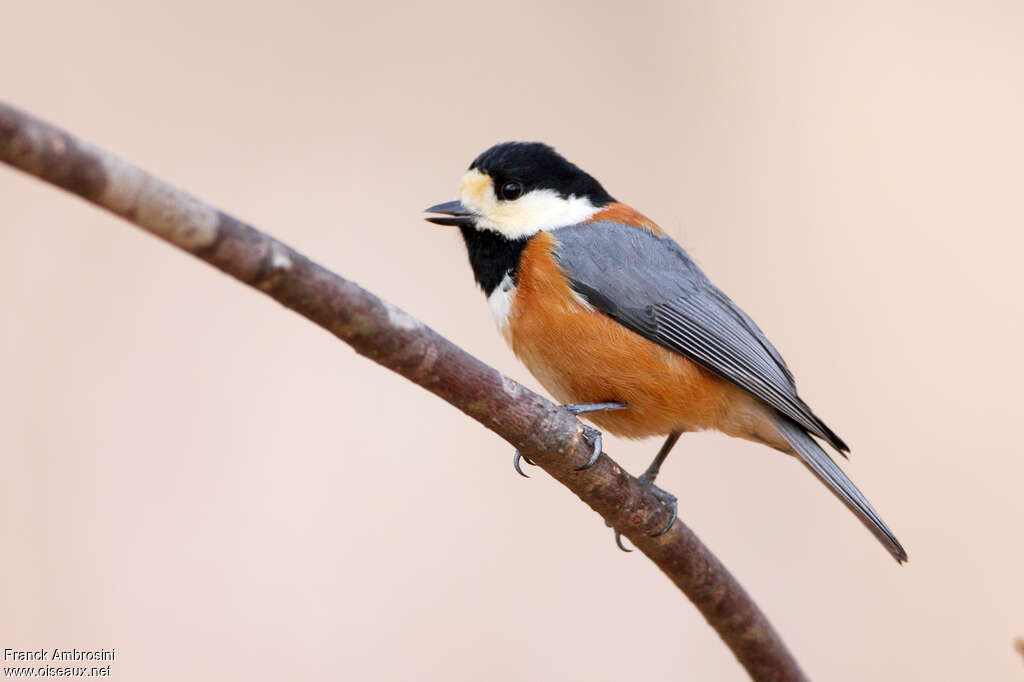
(511, 190)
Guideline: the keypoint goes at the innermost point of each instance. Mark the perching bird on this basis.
(614, 318)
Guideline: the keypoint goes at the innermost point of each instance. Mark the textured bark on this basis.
(548, 435)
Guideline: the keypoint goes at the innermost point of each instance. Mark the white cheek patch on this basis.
(541, 209)
(500, 303)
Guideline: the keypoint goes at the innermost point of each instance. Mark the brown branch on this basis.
(548, 435)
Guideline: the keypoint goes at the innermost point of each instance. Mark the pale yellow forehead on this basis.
(476, 188)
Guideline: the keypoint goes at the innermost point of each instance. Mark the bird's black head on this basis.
(516, 189)
(511, 192)
(536, 166)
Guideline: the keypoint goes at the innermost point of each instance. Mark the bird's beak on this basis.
(460, 215)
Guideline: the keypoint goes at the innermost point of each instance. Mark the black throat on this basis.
(492, 256)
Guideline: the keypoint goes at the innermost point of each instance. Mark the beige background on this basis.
(219, 490)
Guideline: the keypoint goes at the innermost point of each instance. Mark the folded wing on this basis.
(646, 282)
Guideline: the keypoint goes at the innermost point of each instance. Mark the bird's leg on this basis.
(652, 471)
(592, 434)
(586, 408)
(647, 479)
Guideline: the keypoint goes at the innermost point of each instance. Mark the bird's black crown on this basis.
(538, 166)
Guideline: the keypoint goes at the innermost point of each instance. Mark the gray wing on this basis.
(648, 283)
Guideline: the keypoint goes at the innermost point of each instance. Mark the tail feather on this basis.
(822, 466)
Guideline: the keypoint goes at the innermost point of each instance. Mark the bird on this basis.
(617, 322)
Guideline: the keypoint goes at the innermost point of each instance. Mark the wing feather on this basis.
(648, 283)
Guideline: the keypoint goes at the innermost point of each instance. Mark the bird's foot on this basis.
(594, 436)
(666, 498)
(589, 432)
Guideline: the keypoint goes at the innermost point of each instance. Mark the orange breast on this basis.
(618, 212)
(582, 356)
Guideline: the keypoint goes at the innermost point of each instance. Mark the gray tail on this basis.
(822, 466)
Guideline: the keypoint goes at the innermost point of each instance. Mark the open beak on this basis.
(460, 215)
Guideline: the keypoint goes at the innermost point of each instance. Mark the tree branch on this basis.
(542, 431)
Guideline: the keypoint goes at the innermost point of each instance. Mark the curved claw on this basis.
(618, 538)
(515, 463)
(667, 499)
(595, 438)
(673, 507)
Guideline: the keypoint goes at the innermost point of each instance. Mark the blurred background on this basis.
(217, 489)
